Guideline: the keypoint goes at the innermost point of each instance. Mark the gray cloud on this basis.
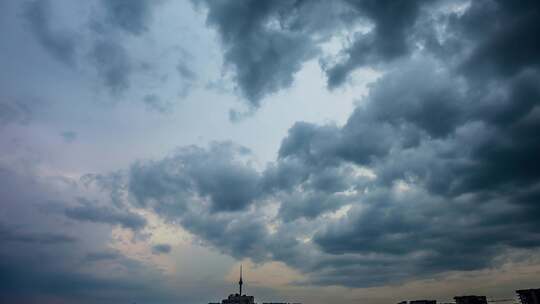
(453, 183)
(206, 191)
(466, 181)
(436, 170)
(265, 43)
(268, 48)
(502, 50)
(227, 183)
(388, 40)
(90, 212)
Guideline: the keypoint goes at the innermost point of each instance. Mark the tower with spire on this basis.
(238, 298)
(240, 282)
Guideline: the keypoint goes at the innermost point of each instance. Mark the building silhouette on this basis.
(419, 302)
(526, 296)
(471, 300)
(239, 298)
(529, 296)
(423, 302)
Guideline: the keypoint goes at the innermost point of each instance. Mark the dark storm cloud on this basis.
(437, 166)
(310, 205)
(427, 118)
(310, 183)
(419, 235)
(61, 45)
(113, 64)
(472, 151)
(170, 188)
(504, 49)
(210, 192)
(215, 174)
(90, 212)
(265, 43)
(436, 170)
(389, 39)
(254, 43)
(242, 235)
(161, 249)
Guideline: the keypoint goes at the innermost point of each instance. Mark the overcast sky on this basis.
(343, 151)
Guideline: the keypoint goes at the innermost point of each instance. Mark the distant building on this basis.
(419, 302)
(423, 302)
(529, 296)
(471, 300)
(239, 298)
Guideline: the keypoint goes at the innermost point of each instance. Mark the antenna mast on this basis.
(240, 282)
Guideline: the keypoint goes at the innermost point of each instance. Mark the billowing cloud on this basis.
(434, 172)
(266, 48)
(265, 42)
(216, 178)
(387, 40)
(504, 50)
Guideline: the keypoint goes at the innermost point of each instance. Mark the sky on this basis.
(351, 151)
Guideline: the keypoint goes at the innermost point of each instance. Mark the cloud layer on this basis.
(434, 172)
